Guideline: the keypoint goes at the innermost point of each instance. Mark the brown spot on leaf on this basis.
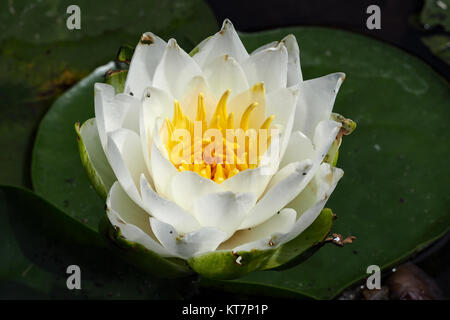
(337, 239)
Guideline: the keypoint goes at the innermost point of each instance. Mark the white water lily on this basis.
(186, 212)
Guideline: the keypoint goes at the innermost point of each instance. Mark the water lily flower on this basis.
(207, 213)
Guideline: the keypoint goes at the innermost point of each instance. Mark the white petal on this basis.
(317, 189)
(299, 148)
(91, 140)
(272, 44)
(109, 115)
(223, 73)
(268, 66)
(307, 218)
(131, 220)
(324, 136)
(113, 112)
(194, 243)
(155, 103)
(282, 104)
(283, 188)
(162, 169)
(146, 57)
(133, 105)
(294, 73)
(224, 211)
(316, 101)
(125, 156)
(187, 186)
(189, 102)
(239, 103)
(226, 41)
(262, 236)
(166, 210)
(250, 180)
(175, 70)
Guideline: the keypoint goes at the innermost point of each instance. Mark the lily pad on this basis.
(39, 243)
(393, 197)
(64, 182)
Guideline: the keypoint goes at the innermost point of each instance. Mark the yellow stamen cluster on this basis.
(231, 157)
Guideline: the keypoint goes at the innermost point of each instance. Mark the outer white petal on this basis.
(283, 188)
(188, 245)
(166, 210)
(261, 235)
(146, 57)
(91, 140)
(317, 189)
(109, 115)
(175, 70)
(224, 211)
(294, 73)
(131, 220)
(187, 186)
(125, 156)
(324, 136)
(299, 148)
(316, 101)
(269, 66)
(114, 111)
(226, 41)
(307, 218)
(223, 73)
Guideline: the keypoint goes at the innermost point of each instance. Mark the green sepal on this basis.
(125, 54)
(226, 265)
(116, 78)
(143, 259)
(100, 186)
(348, 126)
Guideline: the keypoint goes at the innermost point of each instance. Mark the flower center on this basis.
(216, 150)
